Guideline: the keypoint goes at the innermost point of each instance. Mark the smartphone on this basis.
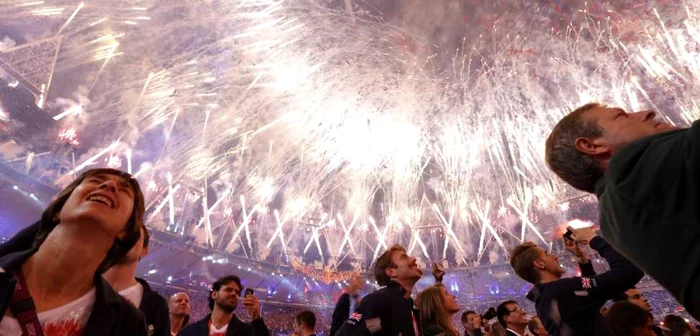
(248, 291)
(569, 235)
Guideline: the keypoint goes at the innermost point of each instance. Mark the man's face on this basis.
(636, 297)
(227, 296)
(179, 304)
(473, 322)
(549, 263)
(406, 267)
(105, 199)
(621, 128)
(298, 327)
(516, 315)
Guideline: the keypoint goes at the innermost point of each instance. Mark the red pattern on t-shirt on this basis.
(63, 328)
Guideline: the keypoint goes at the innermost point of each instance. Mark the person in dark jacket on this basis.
(90, 225)
(389, 310)
(223, 300)
(122, 277)
(645, 175)
(512, 317)
(571, 306)
(342, 306)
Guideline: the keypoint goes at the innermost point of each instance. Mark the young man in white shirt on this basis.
(122, 277)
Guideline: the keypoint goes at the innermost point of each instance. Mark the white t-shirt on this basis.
(133, 294)
(67, 320)
(218, 332)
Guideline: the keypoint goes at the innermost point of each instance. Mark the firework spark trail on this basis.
(308, 111)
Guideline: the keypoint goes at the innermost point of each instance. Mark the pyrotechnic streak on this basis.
(76, 109)
(447, 224)
(483, 217)
(523, 214)
(171, 203)
(128, 160)
(381, 237)
(109, 56)
(91, 160)
(142, 170)
(164, 202)
(247, 217)
(278, 232)
(417, 240)
(70, 19)
(347, 231)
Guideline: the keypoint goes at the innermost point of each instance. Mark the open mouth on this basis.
(101, 199)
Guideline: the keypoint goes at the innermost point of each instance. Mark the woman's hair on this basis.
(49, 218)
(432, 310)
(676, 325)
(625, 318)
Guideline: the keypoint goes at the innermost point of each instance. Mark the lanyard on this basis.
(22, 307)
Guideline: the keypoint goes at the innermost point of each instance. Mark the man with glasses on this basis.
(512, 317)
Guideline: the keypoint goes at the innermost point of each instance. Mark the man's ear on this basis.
(539, 264)
(390, 272)
(591, 146)
(213, 294)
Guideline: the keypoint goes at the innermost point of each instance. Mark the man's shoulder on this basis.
(649, 151)
(192, 329)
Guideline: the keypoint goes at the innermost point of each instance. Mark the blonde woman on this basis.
(436, 307)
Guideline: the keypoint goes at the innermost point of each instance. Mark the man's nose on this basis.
(644, 115)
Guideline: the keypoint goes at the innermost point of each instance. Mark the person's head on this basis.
(471, 320)
(628, 319)
(225, 293)
(633, 296)
(510, 314)
(179, 304)
(107, 199)
(395, 264)
(581, 144)
(536, 327)
(437, 306)
(677, 326)
(304, 323)
(139, 250)
(530, 262)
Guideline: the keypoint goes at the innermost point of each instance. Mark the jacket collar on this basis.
(394, 286)
(232, 329)
(534, 293)
(600, 187)
(144, 283)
